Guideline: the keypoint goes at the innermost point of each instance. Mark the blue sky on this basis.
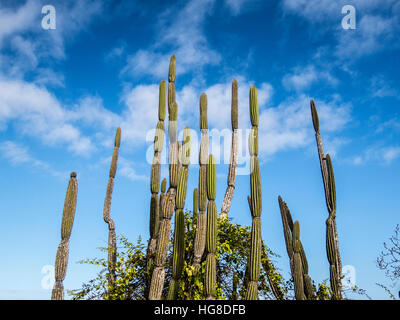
(64, 91)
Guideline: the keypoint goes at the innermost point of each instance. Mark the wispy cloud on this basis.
(383, 155)
(19, 155)
(289, 125)
(377, 27)
(181, 31)
(303, 78)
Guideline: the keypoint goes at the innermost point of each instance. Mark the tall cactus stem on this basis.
(227, 202)
(255, 202)
(112, 244)
(211, 238)
(168, 203)
(68, 216)
(200, 237)
(328, 180)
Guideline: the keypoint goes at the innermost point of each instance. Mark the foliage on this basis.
(389, 261)
(232, 254)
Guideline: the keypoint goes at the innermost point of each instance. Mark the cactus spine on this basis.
(255, 202)
(155, 180)
(200, 238)
(168, 205)
(211, 238)
(332, 242)
(112, 244)
(179, 233)
(226, 204)
(66, 228)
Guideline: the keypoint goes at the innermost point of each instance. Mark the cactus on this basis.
(226, 204)
(112, 245)
(155, 182)
(297, 264)
(288, 231)
(255, 202)
(328, 179)
(66, 228)
(211, 238)
(179, 233)
(168, 200)
(195, 206)
(200, 238)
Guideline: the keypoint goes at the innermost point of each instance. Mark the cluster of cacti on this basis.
(255, 201)
(226, 204)
(179, 233)
(332, 245)
(200, 240)
(66, 228)
(112, 243)
(211, 238)
(302, 281)
(205, 217)
(155, 178)
(168, 207)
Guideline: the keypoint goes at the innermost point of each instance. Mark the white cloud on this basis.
(304, 77)
(25, 46)
(377, 24)
(373, 33)
(239, 6)
(289, 125)
(126, 169)
(383, 155)
(380, 88)
(19, 155)
(181, 30)
(390, 153)
(36, 112)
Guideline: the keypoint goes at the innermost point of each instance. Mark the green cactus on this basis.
(297, 264)
(195, 206)
(162, 101)
(332, 242)
(155, 182)
(179, 233)
(211, 238)
(200, 237)
(112, 245)
(292, 237)
(172, 68)
(253, 106)
(68, 216)
(203, 112)
(168, 202)
(226, 203)
(255, 202)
